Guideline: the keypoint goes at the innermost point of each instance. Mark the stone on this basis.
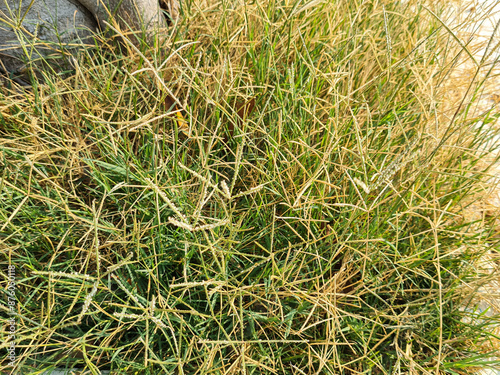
(133, 15)
(29, 30)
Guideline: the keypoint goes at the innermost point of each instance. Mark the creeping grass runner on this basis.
(275, 189)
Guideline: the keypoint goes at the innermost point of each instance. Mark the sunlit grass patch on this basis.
(274, 190)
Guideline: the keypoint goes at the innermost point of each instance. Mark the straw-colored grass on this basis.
(273, 190)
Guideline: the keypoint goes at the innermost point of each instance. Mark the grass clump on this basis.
(272, 190)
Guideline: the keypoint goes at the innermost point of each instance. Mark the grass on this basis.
(278, 188)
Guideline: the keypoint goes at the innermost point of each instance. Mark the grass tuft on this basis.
(278, 188)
